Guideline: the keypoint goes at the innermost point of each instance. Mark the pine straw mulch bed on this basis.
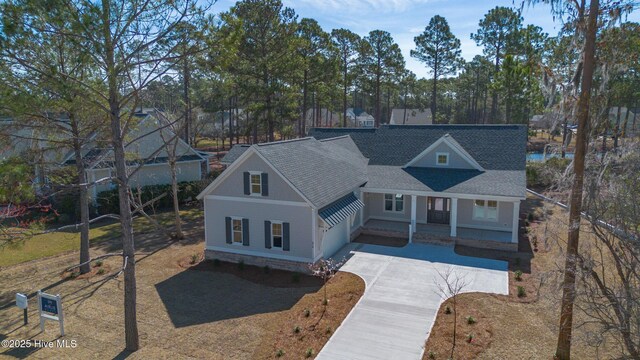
(301, 331)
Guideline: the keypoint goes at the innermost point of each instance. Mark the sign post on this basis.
(50, 308)
(22, 303)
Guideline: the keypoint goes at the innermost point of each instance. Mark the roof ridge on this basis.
(285, 141)
(334, 138)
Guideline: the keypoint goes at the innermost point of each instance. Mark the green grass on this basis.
(56, 243)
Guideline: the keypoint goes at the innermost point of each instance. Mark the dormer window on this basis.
(442, 159)
(256, 183)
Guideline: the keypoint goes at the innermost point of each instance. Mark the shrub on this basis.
(307, 312)
(521, 291)
(280, 353)
(325, 301)
(266, 269)
(471, 320)
(98, 263)
(109, 202)
(194, 258)
(295, 278)
(470, 338)
(241, 265)
(531, 217)
(216, 262)
(296, 329)
(309, 353)
(432, 355)
(447, 310)
(328, 330)
(518, 275)
(100, 271)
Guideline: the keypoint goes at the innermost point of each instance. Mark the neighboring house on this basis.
(146, 148)
(286, 204)
(322, 117)
(359, 118)
(234, 153)
(546, 121)
(410, 117)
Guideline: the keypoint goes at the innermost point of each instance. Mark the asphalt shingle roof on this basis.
(321, 171)
(234, 153)
(494, 147)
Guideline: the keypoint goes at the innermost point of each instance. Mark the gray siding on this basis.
(299, 218)
(278, 188)
(375, 208)
(505, 216)
(455, 161)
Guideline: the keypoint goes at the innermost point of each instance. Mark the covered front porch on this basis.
(439, 230)
(442, 217)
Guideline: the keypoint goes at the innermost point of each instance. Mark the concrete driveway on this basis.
(393, 318)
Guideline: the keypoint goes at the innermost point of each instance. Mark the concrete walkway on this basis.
(393, 318)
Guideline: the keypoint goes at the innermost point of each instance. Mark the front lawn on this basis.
(185, 309)
(57, 243)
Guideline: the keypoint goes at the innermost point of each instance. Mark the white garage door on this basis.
(335, 238)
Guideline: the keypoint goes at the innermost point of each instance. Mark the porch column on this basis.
(516, 222)
(454, 217)
(414, 201)
(362, 210)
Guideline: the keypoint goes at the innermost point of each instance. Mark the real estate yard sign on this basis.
(50, 308)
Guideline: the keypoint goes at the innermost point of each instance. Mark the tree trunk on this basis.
(433, 97)
(617, 129)
(231, 119)
(186, 79)
(128, 248)
(494, 92)
(563, 349)
(174, 191)
(305, 91)
(344, 94)
(84, 198)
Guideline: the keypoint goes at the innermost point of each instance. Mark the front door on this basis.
(438, 210)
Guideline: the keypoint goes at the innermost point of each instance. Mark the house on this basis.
(145, 149)
(410, 117)
(289, 203)
(626, 120)
(359, 118)
(322, 117)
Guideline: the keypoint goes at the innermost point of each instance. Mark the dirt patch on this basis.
(474, 331)
(304, 329)
(519, 327)
(258, 275)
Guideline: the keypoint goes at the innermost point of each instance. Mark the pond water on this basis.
(540, 156)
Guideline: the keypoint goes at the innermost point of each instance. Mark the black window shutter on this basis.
(227, 222)
(285, 236)
(245, 232)
(247, 183)
(265, 184)
(267, 234)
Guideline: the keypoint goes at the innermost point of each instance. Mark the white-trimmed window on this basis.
(276, 235)
(255, 182)
(236, 231)
(485, 210)
(442, 158)
(393, 202)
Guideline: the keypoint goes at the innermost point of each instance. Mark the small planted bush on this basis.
(471, 320)
(295, 278)
(447, 310)
(307, 312)
(194, 258)
(328, 330)
(241, 265)
(100, 271)
(266, 269)
(470, 338)
(521, 291)
(432, 355)
(98, 263)
(308, 353)
(530, 217)
(280, 353)
(296, 329)
(518, 275)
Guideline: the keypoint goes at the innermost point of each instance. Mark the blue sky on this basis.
(405, 19)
